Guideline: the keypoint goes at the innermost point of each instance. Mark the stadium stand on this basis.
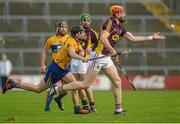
(1, 8)
(59, 8)
(27, 24)
(26, 8)
(13, 25)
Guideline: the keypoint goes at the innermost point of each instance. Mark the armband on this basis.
(150, 37)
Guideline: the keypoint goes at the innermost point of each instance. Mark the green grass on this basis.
(143, 106)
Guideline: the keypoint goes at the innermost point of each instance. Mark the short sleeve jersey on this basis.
(91, 41)
(63, 59)
(115, 30)
(55, 43)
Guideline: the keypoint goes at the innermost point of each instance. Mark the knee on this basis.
(117, 84)
(38, 90)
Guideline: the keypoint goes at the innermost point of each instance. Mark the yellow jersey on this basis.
(55, 43)
(63, 59)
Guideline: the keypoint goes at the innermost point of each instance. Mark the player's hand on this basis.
(116, 59)
(158, 36)
(112, 53)
(88, 50)
(85, 60)
(43, 69)
(81, 53)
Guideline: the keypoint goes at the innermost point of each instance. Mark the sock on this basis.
(14, 84)
(118, 110)
(48, 101)
(92, 105)
(58, 98)
(77, 109)
(85, 104)
(63, 94)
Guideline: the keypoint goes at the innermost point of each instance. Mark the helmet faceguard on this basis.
(59, 24)
(76, 29)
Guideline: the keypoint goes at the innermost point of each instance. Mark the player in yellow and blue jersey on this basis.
(59, 69)
(54, 43)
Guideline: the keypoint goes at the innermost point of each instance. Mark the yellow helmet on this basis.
(115, 9)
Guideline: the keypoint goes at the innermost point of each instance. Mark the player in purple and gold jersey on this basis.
(59, 69)
(79, 68)
(111, 31)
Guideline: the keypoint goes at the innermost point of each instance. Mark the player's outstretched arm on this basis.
(158, 36)
(155, 36)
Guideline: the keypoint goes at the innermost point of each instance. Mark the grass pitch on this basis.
(142, 106)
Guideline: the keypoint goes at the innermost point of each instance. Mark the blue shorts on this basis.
(55, 73)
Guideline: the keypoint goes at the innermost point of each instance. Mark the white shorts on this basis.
(78, 67)
(99, 63)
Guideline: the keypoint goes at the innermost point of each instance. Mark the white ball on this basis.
(172, 26)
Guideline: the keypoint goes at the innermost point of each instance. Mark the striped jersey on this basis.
(115, 30)
(91, 41)
(55, 43)
(63, 59)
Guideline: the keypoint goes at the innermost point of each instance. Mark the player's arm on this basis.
(74, 55)
(46, 48)
(155, 36)
(105, 42)
(43, 60)
(81, 52)
(104, 39)
(106, 28)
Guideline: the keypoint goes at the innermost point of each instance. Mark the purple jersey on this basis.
(116, 31)
(92, 39)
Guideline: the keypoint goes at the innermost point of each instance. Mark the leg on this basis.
(74, 94)
(89, 93)
(112, 74)
(50, 78)
(26, 86)
(53, 75)
(32, 87)
(57, 99)
(82, 93)
(78, 67)
(89, 79)
(75, 97)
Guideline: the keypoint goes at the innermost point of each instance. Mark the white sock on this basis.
(118, 110)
